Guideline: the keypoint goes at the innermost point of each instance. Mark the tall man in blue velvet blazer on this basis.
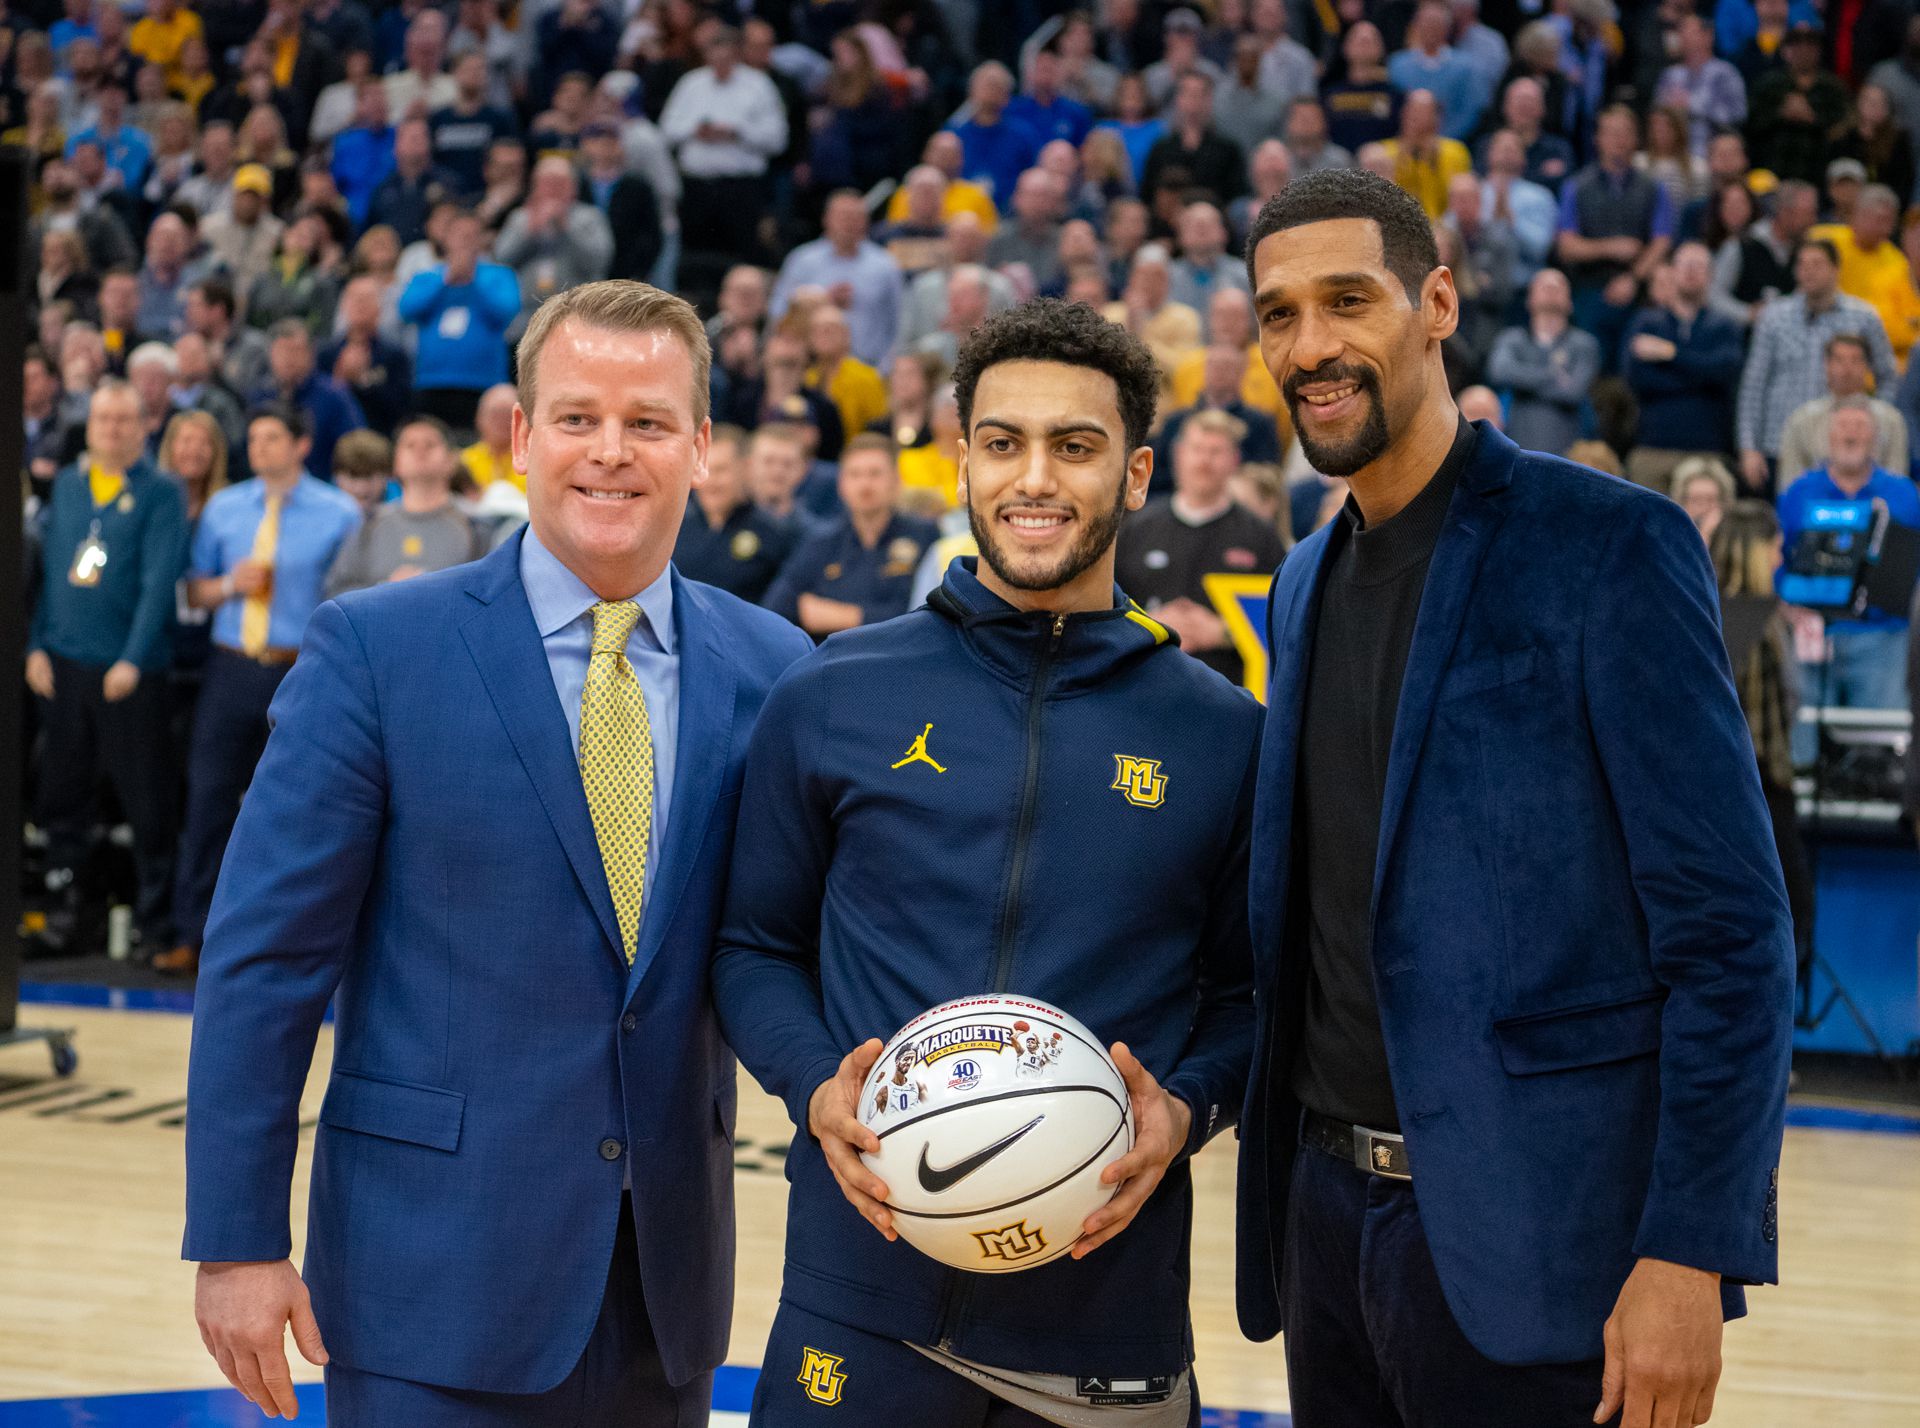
(1522, 951)
(491, 827)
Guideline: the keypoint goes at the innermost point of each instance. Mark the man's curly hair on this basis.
(1049, 330)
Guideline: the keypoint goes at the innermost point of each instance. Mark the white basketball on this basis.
(996, 1115)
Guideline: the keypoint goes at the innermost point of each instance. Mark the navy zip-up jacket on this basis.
(128, 614)
(862, 894)
(1686, 404)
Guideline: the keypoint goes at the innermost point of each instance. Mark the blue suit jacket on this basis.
(1581, 942)
(416, 842)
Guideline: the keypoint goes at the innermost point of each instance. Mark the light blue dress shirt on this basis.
(563, 613)
(315, 521)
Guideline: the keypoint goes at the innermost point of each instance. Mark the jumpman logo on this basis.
(917, 754)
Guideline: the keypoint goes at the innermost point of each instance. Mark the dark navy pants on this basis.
(229, 735)
(618, 1383)
(1370, 1341)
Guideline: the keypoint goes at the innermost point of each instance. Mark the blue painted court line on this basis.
(223, 1408)
(76, 994)
(1853, 1119)
(203, 1408)
(733, 1388)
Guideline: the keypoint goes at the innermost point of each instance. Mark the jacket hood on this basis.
(1093, 646)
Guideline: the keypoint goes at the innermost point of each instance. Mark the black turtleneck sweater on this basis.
(1369, 601)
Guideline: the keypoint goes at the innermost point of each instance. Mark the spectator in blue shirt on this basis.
(76, 24)
(1867, 657)
(1509, 197)
(259, 561)
(1429, 62)
(462, 308)
(328, 409)
(1135, 122)
(128, 151)
(1735, 23)
(1044, 109)
(995, 147)
(363, 151)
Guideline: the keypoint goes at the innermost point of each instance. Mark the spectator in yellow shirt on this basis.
(490, 458)
(1872, 266)
(930, 474)
(158, 36)
(1424, 162)
(855, 388)
(917, 240)
(1230, 320)
(944, 153)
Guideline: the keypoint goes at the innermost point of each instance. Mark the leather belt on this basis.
(274, 656)
(1376, 1152)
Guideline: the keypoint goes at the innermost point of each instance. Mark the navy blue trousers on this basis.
(229, 735)
(618, 1383)
(822, 1374)
(1370, 1341)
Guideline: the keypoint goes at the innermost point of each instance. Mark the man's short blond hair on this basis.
(618, 305)
(1217, 422)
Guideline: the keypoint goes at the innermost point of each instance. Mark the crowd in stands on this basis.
(284, 249)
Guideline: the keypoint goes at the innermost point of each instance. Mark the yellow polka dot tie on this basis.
(616, 762)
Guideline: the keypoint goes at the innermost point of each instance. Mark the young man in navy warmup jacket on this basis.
(867, 888)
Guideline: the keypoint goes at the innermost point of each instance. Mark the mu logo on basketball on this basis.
(1140, 780)
(820, 1376)
(1014, 1242)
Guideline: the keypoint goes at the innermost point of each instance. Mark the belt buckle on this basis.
(1375, 1153)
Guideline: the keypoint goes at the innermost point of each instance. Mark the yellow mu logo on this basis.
(821, 1377)
(1140, 780)
(1013, 1242)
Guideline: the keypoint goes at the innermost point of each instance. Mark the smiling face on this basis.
(610, 451)
(1047, 475)
(1353, 353)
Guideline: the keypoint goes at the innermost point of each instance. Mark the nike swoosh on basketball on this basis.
(934, 1179)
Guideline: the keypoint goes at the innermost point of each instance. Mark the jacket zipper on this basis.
(1023, 832)
(959, 1286)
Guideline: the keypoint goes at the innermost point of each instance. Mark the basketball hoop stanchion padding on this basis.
(13, 329)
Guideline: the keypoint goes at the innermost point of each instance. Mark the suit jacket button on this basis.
(610, 1149)
(629, 1023)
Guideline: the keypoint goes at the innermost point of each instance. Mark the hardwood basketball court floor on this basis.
(96, 1324)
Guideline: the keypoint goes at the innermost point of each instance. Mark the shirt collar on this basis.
(559, 597)
(257, 490)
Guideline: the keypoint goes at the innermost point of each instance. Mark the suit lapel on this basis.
(1472, 519)
(505, 645)
(707, 681)
(1297, 596)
